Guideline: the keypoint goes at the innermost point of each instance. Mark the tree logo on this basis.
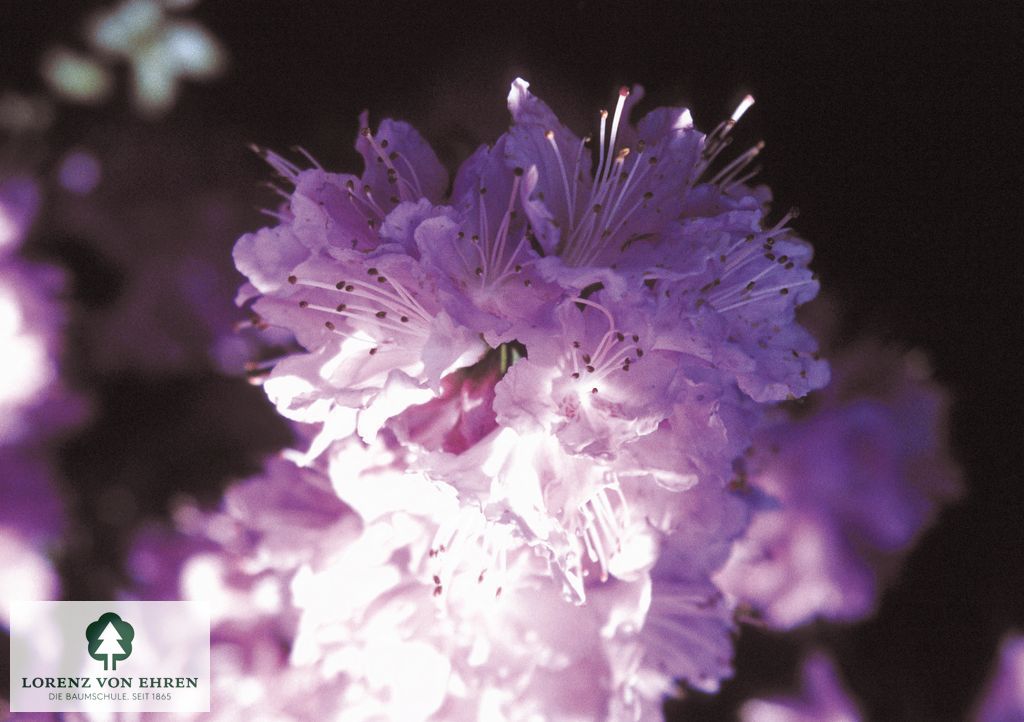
(110, 640)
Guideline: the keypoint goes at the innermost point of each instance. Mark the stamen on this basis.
(412, 172)
(601, 153)
(569, 199)
(603, 528)
(742, 108)
(492, 249)
(777, 290)
(612, 353)
(283, 166)
(368, 192)
(306, 154)
(738, 164)
(623, 94)
(405, 189)
(387, 301)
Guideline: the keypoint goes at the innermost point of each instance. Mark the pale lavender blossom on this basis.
(1003, 697)
(822, 698)
(389, 291)
(530, 397)
(240, 562)
(844, 491)
(372, 266)
(388, 599)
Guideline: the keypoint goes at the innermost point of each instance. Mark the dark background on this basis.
(893, 126)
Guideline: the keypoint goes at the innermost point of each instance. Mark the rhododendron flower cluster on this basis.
(565, 354)
(532, 397)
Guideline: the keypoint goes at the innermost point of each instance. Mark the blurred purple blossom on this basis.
(1002, 700)
(153, 257)
(822, 698)
(33, 400)
(31, 524)
(34, 404)
(845, 490)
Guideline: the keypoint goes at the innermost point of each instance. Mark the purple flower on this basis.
(392, 599)
(822, 698)
(19, 203)
(530, 398)
(848, 489)
(241, 561)
(587, 217)
(373, 266)
(482, 252)
(31, 522)
(458, 419)
(30, 321)
(28, 327)
(34, 404)
(155, 254)
(1003, 698)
